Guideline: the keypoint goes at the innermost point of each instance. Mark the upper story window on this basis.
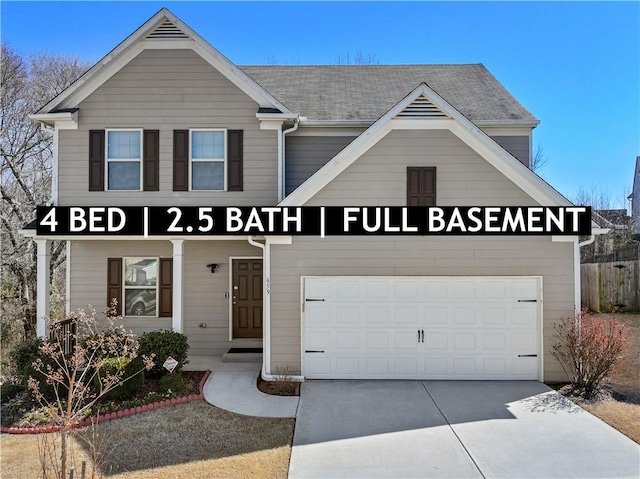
(124, 160)
(208, 157)
(421, 186)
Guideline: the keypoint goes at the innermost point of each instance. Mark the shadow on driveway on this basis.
(452, 429)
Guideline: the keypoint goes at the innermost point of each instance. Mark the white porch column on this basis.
(43, 285)
(178, 267)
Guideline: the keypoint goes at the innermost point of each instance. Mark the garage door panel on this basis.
(405, 340)
(347, 340)
(435, 341)
(347, 314)
(524, 290)
(377, 340)
(436, 367)
(464, 341)
(435, 290)
(435, 315)
(465, 315)
(406, 315)
(494, 341)
(422, 328)
(377, 315)
(494, 289)
(407, 290)
(494, 367)
(378, 290)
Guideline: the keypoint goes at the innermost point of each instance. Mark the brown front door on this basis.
(246, 298)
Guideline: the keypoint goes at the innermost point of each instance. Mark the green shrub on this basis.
(23, 355)
(164, 344)
(174, 382)
(9, 391)
(46, 389)
(107, 344)
(130, 369)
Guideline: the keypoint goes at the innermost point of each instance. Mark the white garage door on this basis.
(421, 327)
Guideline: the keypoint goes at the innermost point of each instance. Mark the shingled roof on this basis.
(366, 92)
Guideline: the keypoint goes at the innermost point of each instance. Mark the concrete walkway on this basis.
(232, 386)
(462, 429)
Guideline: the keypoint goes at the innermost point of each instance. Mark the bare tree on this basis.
(539, 159)
(359, 58)
(25, 174)
(609, 211)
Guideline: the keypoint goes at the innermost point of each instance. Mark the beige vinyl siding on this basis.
(167, 90)
(307, 154)
(518, 146)
(379, 178)
(204, 292)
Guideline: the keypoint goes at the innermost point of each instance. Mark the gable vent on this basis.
(167, 30)
(422, 107)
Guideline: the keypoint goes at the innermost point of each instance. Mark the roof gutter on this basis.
(66, 120)
(366, 123)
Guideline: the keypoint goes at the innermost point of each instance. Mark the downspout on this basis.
(587, 242)
(266, 308)
(266, 305)
(282, 158)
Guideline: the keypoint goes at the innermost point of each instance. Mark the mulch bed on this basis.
(278, 388)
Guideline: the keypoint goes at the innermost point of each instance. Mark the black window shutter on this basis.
(151, 160)
(421, 186)
(234, 160)
(180, 160)
(96, 160)
(428, 186)
(413, 186)
(114, 283)
(165, 300)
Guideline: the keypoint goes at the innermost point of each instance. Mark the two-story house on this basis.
(165, 119)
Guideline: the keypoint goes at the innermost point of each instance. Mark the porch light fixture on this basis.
(213, 267)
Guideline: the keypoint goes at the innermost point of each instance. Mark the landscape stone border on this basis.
(114, 415)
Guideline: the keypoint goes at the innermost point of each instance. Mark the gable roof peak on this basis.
(162, 26)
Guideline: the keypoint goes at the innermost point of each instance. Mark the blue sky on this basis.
(575, 65)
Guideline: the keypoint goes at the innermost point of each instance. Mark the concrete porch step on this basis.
(243, 355)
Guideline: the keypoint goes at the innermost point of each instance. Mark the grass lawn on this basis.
(623, 411)
(194, 440)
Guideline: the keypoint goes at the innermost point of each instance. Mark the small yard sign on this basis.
(170, 364)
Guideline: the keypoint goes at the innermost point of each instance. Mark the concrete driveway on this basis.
(461, 429)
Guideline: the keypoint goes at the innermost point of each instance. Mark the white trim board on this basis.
(459, 125)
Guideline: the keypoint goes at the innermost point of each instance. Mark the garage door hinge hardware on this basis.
(527, 301)
(421, 335)
(527, 355)
(312, 351)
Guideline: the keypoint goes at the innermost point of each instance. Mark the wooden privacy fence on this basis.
(611, 286)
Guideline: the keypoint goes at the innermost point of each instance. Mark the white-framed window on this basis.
(124, 159)
(208, 154)
(140, 286)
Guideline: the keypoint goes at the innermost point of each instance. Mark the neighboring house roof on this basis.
(612, 219)
(366, 92)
